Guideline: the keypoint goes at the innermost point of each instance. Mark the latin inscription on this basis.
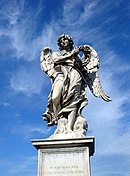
(62, 164)
(64, 170)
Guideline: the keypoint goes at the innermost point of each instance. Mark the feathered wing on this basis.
(91, 65)
(47, 63)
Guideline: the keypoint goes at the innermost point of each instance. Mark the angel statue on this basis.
(70, 74)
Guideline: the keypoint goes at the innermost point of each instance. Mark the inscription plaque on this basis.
(65, 162)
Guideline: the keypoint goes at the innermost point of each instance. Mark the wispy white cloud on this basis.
(28, 80)
(21, 41)
(106, 119)
(28, 130)
(75, 20)
(106, 123)
(21, 28)
(24, 165)
(5, 104)
(11, 11)
(76, 13)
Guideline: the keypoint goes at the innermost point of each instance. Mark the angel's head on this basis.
(65, 42)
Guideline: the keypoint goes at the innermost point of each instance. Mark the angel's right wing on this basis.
(46, 61)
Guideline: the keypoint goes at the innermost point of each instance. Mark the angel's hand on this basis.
(75, 51)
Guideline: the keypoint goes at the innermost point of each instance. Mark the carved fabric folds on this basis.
(73, 93)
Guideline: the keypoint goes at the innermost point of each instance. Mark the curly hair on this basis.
(65, 36)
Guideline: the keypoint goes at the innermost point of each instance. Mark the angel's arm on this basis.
(60, 59)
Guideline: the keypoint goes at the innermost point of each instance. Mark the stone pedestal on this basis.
(64, 157)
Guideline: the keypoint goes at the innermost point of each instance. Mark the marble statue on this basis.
(71, 70)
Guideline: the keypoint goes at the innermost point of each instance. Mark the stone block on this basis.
(64, 157)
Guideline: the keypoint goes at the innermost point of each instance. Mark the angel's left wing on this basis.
(90, 62)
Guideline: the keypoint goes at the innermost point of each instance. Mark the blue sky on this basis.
(26, 27)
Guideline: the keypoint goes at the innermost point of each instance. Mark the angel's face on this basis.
(65, 43)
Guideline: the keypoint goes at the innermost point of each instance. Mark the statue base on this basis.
(61, 157)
